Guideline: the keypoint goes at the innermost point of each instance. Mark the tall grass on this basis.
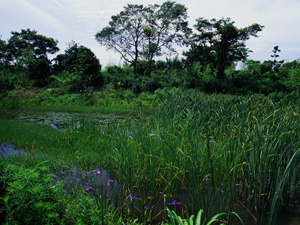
(219, 153)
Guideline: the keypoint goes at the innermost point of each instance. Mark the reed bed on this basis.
(219, 153)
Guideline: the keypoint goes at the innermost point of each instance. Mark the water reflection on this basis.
(7, 149)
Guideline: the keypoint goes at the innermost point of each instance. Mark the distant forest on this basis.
(209, 64)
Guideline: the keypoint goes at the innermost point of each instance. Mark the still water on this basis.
(62, 119)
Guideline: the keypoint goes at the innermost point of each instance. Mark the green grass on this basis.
(222, 153)
(27, 135)
(70, 108)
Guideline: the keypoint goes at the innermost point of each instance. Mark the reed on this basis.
(219, 153)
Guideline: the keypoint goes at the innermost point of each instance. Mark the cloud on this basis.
(41, 15)
(58, 4)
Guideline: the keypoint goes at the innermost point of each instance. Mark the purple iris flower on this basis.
(96, 171)
(88, 188)
(174, 202)
(85, 173)
(146, 207)
(132, 197)
(110, 181)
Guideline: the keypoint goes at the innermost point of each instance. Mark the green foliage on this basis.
(175, 219)
(161, 94)
(7, 83)
(2, 52)
(30, 197)
(65, 79)
(29, 39)
(39, 69)
(222, 151)
(219, 43)
(9, 103)
(152, 34)
(82, 61)
(25, 59)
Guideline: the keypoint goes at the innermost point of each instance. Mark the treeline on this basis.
(209, 64)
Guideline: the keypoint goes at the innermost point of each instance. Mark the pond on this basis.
(60, 120)
(86, 177)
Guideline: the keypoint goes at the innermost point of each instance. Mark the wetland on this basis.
(218, 153)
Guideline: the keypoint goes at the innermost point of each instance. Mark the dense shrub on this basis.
(153, 84)
(82, 61)
(39, 69)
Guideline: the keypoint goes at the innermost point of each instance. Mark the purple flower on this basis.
(96, 171)
(174, 202)
(62, 173)
(132, 197)
(146, 207)
(110, 181)
(85, 173)
(88, 188)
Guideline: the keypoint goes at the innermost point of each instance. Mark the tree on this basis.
(28, 52)
(2, 51)
(82, 61)
(167, 24)
(39, 44)
(58, 65)
(144, 32)
(220, 43)
(274, 71)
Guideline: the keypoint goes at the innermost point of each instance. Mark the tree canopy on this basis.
(2, 51)
(219, 43)
(29, 39)
(140, 32)
(80, 60)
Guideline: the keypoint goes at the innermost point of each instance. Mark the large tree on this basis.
(219, 43)
(145, 32)
(27, 52)
(81, 61)
(29, 39)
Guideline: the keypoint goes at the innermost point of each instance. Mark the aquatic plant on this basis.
(219, 153)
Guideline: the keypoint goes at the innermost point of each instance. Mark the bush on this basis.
(153, 84)
(9, 103)
(39, 69)
(82, 61)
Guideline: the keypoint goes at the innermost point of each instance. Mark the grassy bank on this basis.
(219, 153)
(108, 97)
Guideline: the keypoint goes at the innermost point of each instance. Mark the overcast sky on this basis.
(80, 20)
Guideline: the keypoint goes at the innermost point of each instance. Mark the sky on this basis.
(80, 20)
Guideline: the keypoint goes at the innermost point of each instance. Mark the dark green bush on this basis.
(154, 83)
(39, 69)
(9, 103)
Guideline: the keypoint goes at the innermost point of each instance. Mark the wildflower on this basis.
(96, 171)
(132, 197)
(174, 202)
(62, 173)
(146, 207)
(110, 181)
(85, 173)
(88, 188)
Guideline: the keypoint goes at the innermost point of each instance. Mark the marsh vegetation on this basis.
(219, 153)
